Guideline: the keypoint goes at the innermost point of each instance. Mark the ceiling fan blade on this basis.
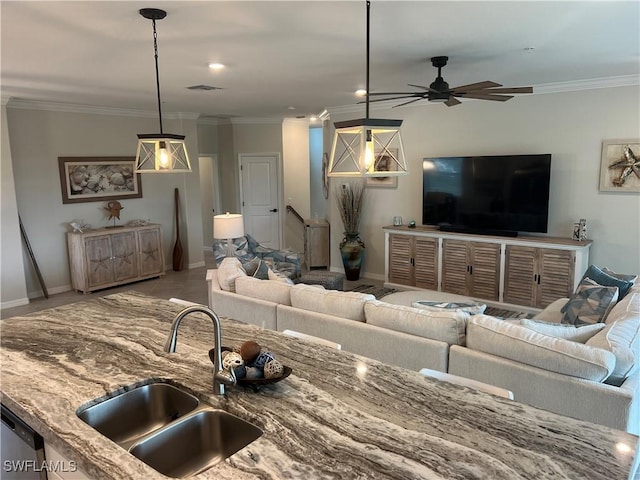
(484, 96)
(407, 103)
(385, 99)
(453, 101)
(392, 93)
(511, 90)
(476, 86)
(418, 86)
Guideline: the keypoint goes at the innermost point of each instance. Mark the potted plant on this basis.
(349, 197)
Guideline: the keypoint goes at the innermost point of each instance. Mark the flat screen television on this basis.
(494, 195)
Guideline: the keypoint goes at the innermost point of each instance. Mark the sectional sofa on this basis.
(596, 381)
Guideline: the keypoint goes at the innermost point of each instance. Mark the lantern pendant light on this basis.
(369, 147)
(160, 152)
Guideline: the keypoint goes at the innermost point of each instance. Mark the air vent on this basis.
(203, 87)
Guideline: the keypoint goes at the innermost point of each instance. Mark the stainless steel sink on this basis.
(195, 442)
(129, 416)
(169, 429)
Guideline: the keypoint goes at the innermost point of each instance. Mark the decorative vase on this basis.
(352, 251)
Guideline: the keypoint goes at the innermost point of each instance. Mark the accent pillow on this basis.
(272, 275)
(473, 308)
(562, 330)
(251, 266)
(228, 271)
(262, 272)
(590, 304)
(606, 279)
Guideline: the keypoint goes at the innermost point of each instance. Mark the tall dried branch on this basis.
(350, 197)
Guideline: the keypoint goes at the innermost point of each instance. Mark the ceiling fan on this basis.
(439, 90)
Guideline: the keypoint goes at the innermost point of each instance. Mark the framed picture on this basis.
(95, 179)
(384, 162)
(620, 166)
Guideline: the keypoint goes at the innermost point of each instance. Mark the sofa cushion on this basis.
(470, 306)
(349, 305)
(440, 325)
(622, 336)
(561, 330)
(228, 271)
(590, 304)
(601, 277)
(515, 342)
(269, 290)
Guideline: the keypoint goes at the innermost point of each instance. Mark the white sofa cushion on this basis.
(270, 290)
(349, 305)
(621, 336)
(440, 325)
(561, 330)
(228, 271)
(515, 342)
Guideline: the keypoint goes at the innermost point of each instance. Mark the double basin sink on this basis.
(169, 429)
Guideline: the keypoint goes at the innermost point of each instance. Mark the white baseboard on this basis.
(14, 303)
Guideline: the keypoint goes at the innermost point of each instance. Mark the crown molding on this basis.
(26, 104)
(256, 120)
(541, 89)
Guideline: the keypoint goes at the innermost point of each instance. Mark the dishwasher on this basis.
(22, 449)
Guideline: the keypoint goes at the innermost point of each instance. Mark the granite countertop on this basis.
(337, 416)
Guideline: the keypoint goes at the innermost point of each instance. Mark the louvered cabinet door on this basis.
(124, 256)
(400, 255)
(484, 271)
(455, 266)
(555, 275)
(425, 265)
(519, 275)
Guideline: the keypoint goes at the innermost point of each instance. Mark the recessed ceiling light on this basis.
(313, 118)
(216, 66)
(361, 92)
(291, 107)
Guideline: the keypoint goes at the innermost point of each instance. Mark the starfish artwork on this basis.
(114, 207)
(628, 164)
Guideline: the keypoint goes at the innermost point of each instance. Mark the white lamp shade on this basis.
(229, 225)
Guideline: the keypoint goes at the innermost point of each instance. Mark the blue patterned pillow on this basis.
(590, 304)
(606, 279)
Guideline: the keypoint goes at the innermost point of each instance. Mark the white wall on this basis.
(319, 204)
(13, 289)
(296, 172)
(38, 137)
(571, 126)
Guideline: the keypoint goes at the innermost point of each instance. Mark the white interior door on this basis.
(261, 198)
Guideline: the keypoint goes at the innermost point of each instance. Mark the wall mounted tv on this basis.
(492, 195)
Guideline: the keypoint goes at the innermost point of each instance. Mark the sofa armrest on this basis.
(552, 312)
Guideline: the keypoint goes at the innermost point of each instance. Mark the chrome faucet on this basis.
(221, 376)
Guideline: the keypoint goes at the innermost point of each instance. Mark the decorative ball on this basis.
(273, 369)
(250, 350)
(253, 373)
(232, 360)
(262, 359)
(240, 371)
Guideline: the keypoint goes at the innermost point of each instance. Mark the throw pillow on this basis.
(590, 304)
(603, 278)
(228, 271)
(262, 272)
(626, 277)
(473, 308)
(562, 330)
(251, 266)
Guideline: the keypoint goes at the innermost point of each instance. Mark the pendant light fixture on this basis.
(369, 147)
(160, 152)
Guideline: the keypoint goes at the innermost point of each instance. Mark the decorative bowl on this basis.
(257, 382)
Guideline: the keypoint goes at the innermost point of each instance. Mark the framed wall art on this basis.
(386, 163)
(95, 179)
(620, 166)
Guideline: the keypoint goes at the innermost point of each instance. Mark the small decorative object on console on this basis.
(412, 224)
(137, 223)
(580, 230)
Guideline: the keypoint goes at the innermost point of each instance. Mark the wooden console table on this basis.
(528, 271)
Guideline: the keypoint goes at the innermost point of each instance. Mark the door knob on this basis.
(273, 210)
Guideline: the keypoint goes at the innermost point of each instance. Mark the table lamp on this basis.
(229, 226)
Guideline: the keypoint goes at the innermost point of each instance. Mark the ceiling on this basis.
(296, 58)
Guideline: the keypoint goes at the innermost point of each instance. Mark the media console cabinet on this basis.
(527, 271)
(107, 257)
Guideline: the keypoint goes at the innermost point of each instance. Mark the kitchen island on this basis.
(338, 415)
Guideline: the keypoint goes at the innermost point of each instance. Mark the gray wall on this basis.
(571, 126)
